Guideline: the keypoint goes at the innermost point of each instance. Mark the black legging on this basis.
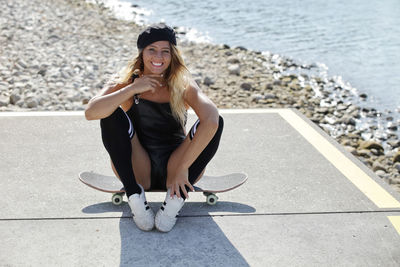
(117, 132)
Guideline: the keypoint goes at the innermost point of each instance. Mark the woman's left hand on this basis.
(177, 181)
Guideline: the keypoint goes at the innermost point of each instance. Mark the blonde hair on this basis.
(177, 76)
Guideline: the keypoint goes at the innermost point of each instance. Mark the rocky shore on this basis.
(55, 55)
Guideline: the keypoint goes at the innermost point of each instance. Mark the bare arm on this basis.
(110, 98)
(209, 119)
(208, 115)
(107, 101)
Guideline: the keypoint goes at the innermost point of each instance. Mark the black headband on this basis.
(154, 33)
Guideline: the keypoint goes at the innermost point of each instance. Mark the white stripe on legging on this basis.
(130, 131)
(194, 128)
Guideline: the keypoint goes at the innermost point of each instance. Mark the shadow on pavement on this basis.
(194, 241)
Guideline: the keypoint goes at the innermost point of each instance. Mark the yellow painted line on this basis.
(358, 177)
(395, 220)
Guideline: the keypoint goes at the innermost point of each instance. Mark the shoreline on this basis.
(58, 54)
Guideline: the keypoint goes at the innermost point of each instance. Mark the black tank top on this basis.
(159, 133)
(155, 124)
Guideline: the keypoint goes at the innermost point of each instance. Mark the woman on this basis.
(143, 116)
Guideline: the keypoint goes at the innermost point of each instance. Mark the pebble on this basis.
(370, 144)
(31, 102)
(394, 143)
(352, 150)
(381, 173)
(376, 166)
(364, 153)
(3, 101)
(234, 69)
(270, 96)
(208, 81)
(246, 86)
(396, 157)
(397, 166)
(391, 126)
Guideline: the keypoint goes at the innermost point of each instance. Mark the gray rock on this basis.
(381, 173)
(42, 70)
(330, 120)
(376, 166)
(392, 126)
(257, 97)
(246, 86)
(20, 103)
(352, 150)
(323, 110)
(31, 102)
(75, 98)
(85, 99)
(376, 152)
(242, 48)
(84, 89)
(397, 166)
(394, 143)
(234, 69)
(15, 97)
(22, 63)
(341, 107)
(396, 158)
(371, 144)
(208, 81)
(364, 153)
(233, 61)
(269, 87)
(348, 120)
(4, 100)
(270, 96)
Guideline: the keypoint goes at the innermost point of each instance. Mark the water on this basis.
(357, 40)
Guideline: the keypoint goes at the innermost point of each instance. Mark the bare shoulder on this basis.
(198, 101)
(192, 90)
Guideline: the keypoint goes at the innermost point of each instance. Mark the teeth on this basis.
(156, 64)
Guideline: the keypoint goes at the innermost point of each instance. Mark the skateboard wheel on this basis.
(212, 199)
(117, 199)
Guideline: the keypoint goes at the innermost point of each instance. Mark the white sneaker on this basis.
(143, 215)
(166, 216)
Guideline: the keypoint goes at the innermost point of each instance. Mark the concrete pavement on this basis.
(307, 201)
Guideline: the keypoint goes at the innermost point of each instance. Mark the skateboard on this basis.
(209, 185)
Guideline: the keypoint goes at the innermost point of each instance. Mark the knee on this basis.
(112, 120)
(117, 123)
(218, 133)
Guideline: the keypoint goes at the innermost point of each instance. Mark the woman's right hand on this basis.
(110, 98)
(146, 83)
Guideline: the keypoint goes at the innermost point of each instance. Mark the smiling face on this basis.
(156, 57)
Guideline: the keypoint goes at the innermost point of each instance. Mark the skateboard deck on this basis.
(209, 185)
